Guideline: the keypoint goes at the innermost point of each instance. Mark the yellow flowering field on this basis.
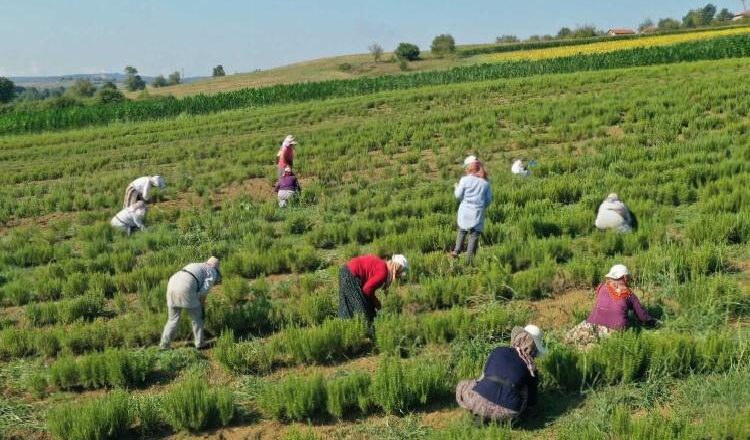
(612, 46)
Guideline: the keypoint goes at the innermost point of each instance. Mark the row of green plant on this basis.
(17, 122)
(130, 330)
(531, 45)
(332, 340)
(631, 356)
(191, 405)
(395, 387)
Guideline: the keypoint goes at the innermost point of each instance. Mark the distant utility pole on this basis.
(744, 7)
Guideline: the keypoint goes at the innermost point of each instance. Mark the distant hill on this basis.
(66, 80)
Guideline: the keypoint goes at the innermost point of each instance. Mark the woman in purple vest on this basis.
(614, 300)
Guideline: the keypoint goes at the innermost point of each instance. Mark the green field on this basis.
(83, 307)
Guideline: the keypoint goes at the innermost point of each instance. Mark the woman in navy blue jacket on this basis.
(510, 379)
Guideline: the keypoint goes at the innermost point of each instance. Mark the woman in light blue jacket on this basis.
(475, 194)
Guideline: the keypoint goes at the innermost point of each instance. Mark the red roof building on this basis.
(618, 32)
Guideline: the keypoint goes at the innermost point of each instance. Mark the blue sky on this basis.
(52, 37)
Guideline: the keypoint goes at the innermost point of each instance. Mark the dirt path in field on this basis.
(559, 311)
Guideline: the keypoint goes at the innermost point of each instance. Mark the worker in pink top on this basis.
(286, 155)
(614, 300)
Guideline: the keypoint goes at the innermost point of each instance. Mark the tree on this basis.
(174, 78)
(407, 51)
(376, 51)
(7, 90)
(159, 81)
(508, 39)
(708, 12)
(83, 87)
(668, 24)
(535, 38)
(646, 25)
(108, 93)
(585, 32)
(108, 85)
(443, 44)
(724, 15)
(134, 81)
(218, 71)
(565, 32)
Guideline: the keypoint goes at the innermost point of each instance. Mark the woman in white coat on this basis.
(613, 214)
(475, 194)
(130, 218)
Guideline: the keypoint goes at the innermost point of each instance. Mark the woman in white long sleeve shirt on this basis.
(187, 289)
(475, 194)
(613, 214)
(140, 189)
(130, 218)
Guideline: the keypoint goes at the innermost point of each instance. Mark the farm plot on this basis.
(612, 46)
(83, 307)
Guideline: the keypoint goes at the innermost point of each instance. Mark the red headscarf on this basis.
(617, 289)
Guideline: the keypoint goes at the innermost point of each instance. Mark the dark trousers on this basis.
(473, 242)
(352, 301)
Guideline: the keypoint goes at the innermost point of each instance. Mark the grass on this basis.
(669, 139)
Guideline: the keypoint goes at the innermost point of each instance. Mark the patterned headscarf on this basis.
(618, 289)
(524, 344)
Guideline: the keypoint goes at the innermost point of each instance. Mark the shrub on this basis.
(347, 393)
(112, 368)
(191, 405)
(245, 357)
(294, 397)
(407, 51)
(443, 44)
(398, 386)
(331, 340)
(97, 419)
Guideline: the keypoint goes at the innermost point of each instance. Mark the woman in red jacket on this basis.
(361, 277)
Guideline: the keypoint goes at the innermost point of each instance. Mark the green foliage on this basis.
(294, 397)
(347, 393)
(218, 71)
(407, 51)
(442, 45)
(398, 386)
(718, 48)
(105, 418)
(631, 356)
(192, 405)
(159, 81)
(112, 368)
(7, 90)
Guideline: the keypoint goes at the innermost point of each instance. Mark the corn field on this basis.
(82, 307)
(729, 43)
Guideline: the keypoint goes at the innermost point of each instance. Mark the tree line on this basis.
(708, 15)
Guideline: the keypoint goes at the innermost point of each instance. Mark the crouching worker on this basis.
(287, 187)
(614, 300)
(140, 189)
(613, 214)
(187, 289)
(361, 277)
(509, 382)
(519, 168)
(130, 218)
